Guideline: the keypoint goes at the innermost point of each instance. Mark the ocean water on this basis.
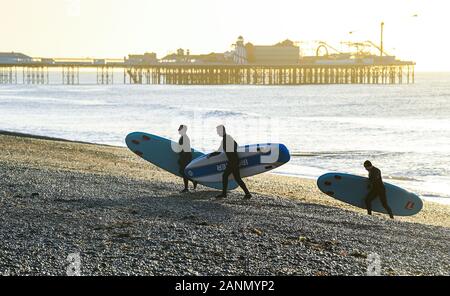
(403, 129)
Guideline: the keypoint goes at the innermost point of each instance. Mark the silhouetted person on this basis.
(229, 146)
(376, 189)
(185, 156)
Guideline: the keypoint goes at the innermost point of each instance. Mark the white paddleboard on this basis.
(253, 160)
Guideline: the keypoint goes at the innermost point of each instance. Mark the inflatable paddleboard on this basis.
(253, 160)
(158, 151)
(353, 189)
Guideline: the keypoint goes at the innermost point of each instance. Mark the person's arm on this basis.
(374, 176)
(187, 145)
(218, 152)
(214, 154)
(180, 146)
(229, 144)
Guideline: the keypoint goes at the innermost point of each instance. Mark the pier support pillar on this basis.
(105, 75)
(70, 75)
(8, 75)
(35, 75)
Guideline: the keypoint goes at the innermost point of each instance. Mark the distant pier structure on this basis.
(246, 64)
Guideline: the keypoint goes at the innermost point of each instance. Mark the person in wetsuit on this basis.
(185, 156)
(229, 146)
(376, 189)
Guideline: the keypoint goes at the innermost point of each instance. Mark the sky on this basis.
(414, 29)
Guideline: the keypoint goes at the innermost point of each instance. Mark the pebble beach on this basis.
(124, 216)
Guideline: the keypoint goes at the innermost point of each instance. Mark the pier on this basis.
(247, 64)
(197, 74)
(272, 74)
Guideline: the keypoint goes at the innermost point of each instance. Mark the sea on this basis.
(403, 129)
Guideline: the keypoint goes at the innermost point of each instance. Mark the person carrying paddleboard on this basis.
(185, 156)
(229, 146)
(376, 189)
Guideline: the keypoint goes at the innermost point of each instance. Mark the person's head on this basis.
(368, 165)
(221, 130)
(182, 129)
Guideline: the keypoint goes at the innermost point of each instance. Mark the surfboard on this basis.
(253, 160)
(158, 151)
(353, 189)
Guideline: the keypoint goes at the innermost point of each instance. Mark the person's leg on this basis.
(186, 184)
(225, 176)
(237, 177)
(183, 165)
(383, 199)
(369, 198)
(180, 167)
(188, 161)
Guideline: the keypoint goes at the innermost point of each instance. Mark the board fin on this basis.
(409, 205)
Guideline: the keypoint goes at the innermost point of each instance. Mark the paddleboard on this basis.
(158, 151)
(253, 160)
(353, 189)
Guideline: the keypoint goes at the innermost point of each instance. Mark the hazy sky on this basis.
(114, 28)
